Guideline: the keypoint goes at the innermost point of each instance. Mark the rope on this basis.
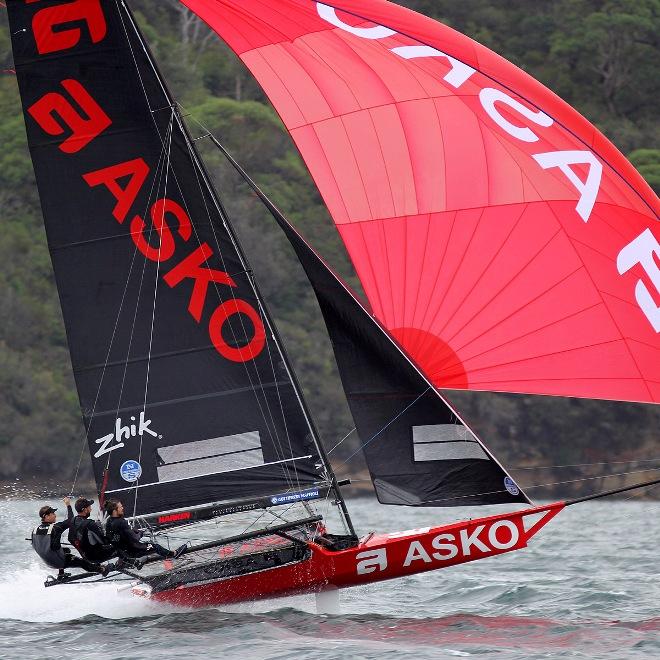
(554, 483)
(602, 476)
(552, 467)
(153, 308)
(373, 437)
(342, 440)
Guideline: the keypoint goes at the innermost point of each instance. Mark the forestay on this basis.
(498, 235)
(186, 396)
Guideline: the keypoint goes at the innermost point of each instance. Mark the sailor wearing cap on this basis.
(87, 536)
(46, 541)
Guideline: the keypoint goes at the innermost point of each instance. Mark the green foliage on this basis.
(647, 162)
(600, 55)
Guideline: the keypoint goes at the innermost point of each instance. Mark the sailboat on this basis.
(502, 243)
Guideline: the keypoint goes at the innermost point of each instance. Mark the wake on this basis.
(23, 597)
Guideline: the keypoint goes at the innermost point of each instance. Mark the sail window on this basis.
(224, 454)
(444, 442)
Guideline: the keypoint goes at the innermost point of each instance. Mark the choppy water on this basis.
(587, 587)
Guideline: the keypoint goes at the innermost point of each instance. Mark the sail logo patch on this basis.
(113, 441)
(130, 471)
(511, 486)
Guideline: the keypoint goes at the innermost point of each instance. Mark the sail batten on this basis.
(466, 193)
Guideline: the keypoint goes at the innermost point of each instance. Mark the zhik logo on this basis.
(123, 433)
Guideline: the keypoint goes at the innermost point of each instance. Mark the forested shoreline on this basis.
(601, 56)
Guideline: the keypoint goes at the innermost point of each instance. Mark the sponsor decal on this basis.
(285, 498)
(372, 560)
(455, 546)
(174, 517)
(511, 486)
(130, 471)
(113, 441)
(70, 114)
(235, 508)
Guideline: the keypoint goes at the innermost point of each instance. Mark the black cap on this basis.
(82, 503)
(45, 510)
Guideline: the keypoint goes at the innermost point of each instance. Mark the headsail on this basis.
(418, 450)
(499, 236)
(186, 395)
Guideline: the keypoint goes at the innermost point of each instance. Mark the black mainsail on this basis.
(185, 391)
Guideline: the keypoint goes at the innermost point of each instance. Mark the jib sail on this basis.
(498, 235)
(418, 450)
(186, 396)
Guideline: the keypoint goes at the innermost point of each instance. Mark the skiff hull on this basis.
(377, 557)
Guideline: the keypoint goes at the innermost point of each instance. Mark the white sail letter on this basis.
(489, 96)
(644, 250)
(458, 73)
(588, 189)
(330, 14)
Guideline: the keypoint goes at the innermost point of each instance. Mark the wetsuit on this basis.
(87, 537)
(127, 542)
(46, 541)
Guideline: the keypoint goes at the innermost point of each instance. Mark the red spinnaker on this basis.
(500, 237)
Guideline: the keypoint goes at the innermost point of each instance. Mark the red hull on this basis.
(375, 558)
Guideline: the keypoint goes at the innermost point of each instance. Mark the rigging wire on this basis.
(602, 476)
(272, 430)
(373, 437)
(328, 468)
(85, 439)
(551, 467)
(342, 440)
(555, 483)
(155, 299)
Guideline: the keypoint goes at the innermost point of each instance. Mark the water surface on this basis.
(587, 587)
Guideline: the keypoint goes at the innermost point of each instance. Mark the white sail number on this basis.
(639, 251)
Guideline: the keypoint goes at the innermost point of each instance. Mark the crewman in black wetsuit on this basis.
(46, 541)
(87, 535)
(126, 541)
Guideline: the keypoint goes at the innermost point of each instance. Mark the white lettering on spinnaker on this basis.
(456, 76)
(645, 251)
(370, 561)
(588, 189)
(123, 433)
(330, 14)
(489, 97)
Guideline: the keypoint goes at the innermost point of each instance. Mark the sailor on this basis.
(46, 541)
(87, 535)
(128, 542)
